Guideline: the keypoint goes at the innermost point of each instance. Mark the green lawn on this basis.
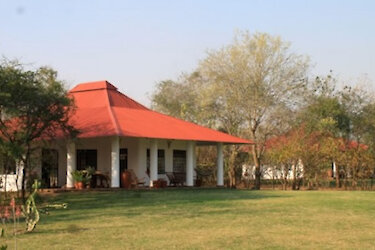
(207, 219)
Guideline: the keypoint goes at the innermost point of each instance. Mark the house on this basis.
(269, 172)
(117, 133)
(272, 172)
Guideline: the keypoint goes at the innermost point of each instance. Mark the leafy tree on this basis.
(340, 120)
(249, 86)
(177, 98)
(312, 150)
(34, 108)
(358, 156)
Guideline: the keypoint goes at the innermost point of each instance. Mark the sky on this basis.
(135, 44)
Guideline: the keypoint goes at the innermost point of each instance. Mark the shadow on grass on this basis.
(137, 198)
(71, 228)
(131, 203)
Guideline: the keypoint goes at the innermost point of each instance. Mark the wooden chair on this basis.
(135, 182)
(103, 179)
(175, 178)
(180, 177)
(172, 180)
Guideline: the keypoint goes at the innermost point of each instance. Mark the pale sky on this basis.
(134, 44)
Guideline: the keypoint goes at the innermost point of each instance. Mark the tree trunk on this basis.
(232, 167)
(354, 178)
(23, 178)
(24, 173)
(257, 168)
(256, 159)
(257, 174)
(316, 181)
(285, 177)
(309, 186)
(294, 184)
(338, 182)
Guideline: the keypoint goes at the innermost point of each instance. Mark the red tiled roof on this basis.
(103, 111)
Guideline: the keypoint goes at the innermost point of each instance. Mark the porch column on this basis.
(220, 165)
(70, 163)
(194, 157)
(115, 162)
(334, 169)
(189, 163)
(153, 161)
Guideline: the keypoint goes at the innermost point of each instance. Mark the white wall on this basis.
(10, 182)
(137, 155)
(167, 145)
(267, 172)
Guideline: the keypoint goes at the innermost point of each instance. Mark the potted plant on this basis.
(87, 176)
(78, 177)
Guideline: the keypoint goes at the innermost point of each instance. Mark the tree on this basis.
(176, 98)
(262, 80)
(249, 87)
(34, 107)
(358, 155)
(339, 119)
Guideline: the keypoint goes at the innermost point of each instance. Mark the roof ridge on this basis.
(113, 116)
(92, 86)
(131, 99)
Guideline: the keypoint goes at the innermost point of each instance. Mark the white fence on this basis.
(269, 172)
(10, 182)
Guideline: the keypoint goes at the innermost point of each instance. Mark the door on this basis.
(123, 162)
(123, 159)
(50, 159)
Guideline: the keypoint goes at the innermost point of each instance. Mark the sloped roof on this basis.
(103, 111)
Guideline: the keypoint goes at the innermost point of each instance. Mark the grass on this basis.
(207, 219)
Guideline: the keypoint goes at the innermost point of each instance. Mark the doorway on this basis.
(123, 162)
(50, 167)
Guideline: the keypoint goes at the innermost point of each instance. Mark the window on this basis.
(86, 158)
(179, 161)
(161, 161)
(7, 165)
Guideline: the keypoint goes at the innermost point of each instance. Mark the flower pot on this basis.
(163, 183)
(126, 179)
(78, 185)
(156, 184)
(159, 183)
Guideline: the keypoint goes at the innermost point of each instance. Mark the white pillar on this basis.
(153, 161)
(70, 163)
(18, 178)
(194, 156)
(220, 165)
(189, 163)
(334, 170)
(115, 162)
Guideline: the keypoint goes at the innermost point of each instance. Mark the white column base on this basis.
(115, 162)
(70, 163)
(153, 161)
(189, 164)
